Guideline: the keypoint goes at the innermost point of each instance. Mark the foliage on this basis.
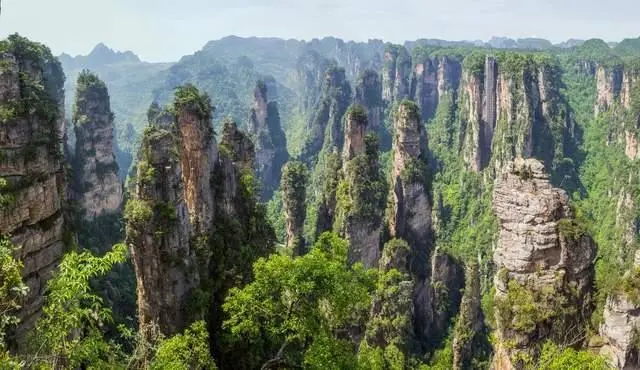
(69, 332)
(185, 351)
(189, 98)
(553, 357)
(7, 198)
(298, 306)
(12, 289)
(137, 211)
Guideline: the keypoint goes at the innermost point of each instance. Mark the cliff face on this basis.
(270, 141)
(309, 77)
(544, 262)
(159, 233)
(294, 197)
(621, 324)
(31, 130)
(609, 87)
(433, 79)
(171, 212)
(513, 107)
(468, 332)
(194, 225)
(98, 186)
(410, 212)
(361, 192)
(396, 73)
(325, 131)
(369, 95)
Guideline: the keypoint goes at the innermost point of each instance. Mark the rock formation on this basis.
(410, 205)
(270, 141)
(294, 196)
(369, 95)
(362, 191)
(433, 79)
(396, 74)
(194, 225)
(159, 233)
(325, 131)
(513, 107)
(309, 77)
(609, 87)
(544, 261)
(98, 187)
(33, 189)
(621, 325)
(469, 329)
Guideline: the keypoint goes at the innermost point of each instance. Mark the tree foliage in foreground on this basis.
(300, 310)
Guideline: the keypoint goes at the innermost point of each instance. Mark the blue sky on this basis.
(164, 30)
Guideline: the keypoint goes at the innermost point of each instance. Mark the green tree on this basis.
(553, 357)
(299, 310)
(69, 334)
(12, 290)
(185, 351)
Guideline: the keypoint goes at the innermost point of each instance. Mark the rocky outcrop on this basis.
(437, 299)
(325, 131)
(310, 75)
(396, 74)
(433, 79)
(513, 107)
(159, 233)
(469, 329)
(609, 86)
(544, 261)
(362, 191)
(198, 154)
(194, 225)
(33, 189)
(294, 195)
(270, 141)
(621, 325)
(410, 205)
(98, 187)
(369, 95)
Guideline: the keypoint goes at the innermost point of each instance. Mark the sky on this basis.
(165, 30)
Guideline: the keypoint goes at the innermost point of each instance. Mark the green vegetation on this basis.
(189, 98)
(294, 309)
(553, 357)
(137, 211)
(185, 351)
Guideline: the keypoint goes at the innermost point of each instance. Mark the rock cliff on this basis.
(544, 261)
(369, 95)
(469, 330)
(31, 165)
(433, 79)
(294, 196)
(95, 168)
(512, 106)
(621, 325)
(325, 131)
(270, 141)
(362, 191)
(396, 74)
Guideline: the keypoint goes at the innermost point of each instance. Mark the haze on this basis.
(163, 30)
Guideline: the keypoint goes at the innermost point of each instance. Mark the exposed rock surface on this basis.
(161, 246)
(362, 191)
(621, 327)
(369, 95)
(31, 129)
(513, 110)
(396, 74)
(95, 168)
(469, 328)
(270, 140)
(544, 258)
(433, 79)
(609, 86)
(325, 131)
(294, 196)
